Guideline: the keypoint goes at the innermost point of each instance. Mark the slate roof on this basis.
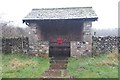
(61, 13)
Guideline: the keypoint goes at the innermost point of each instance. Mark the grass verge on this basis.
(23, 66)
(102, 66)
(0, 66)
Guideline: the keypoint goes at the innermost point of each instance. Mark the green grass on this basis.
(0, 65)
(102, 66)
(23, 66)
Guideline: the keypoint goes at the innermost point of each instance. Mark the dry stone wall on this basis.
(105, 44)
(99, 45)
(78, 48)
(16, 44)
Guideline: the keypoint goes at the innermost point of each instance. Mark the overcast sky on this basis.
(107, 10)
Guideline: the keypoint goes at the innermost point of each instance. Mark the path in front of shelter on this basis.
(57, 68)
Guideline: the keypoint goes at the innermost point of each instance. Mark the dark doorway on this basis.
(62, 50)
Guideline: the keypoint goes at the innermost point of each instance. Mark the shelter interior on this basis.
(67, 30)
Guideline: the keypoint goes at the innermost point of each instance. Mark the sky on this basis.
(106, 10)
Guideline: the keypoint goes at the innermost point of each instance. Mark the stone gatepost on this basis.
(87, 37)
(77, 48)
(39, 47)
(83, 47)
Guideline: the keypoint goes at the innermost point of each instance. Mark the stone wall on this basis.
(16, 44)
(84, 47)
(104, 44)
(39, 48)
(99, 45)
(80, 48)
(87, 33)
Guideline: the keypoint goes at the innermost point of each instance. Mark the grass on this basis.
(102, 66)
(0, 66)
(23, 66)
(27, 66)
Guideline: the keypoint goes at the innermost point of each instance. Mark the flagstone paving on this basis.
(57, 68)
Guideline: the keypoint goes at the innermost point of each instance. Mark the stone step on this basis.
(59, 58)
(56, 74)
(52, 73)
(65, 73)
(58, 66)
(59, 61)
